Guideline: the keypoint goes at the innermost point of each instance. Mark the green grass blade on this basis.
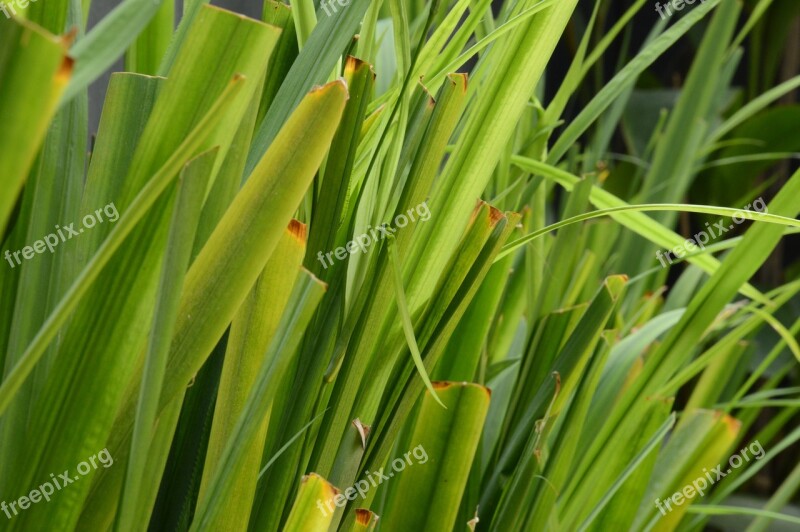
(145, 53)
(107, 42)
(237, 251)
(428, 493)
(707, 509)
(251, 332)
(305, 515)
(650, 207)
(654, 441)
(303, 302)
(33, 68)
(186, 213)
(405, 317)
(639, 223)
(313, 66)
(127, 223)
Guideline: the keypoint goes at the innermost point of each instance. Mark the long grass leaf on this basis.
(127, 223)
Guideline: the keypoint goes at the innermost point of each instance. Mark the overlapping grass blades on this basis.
(302, 250)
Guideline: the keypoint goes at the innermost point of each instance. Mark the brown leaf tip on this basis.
(354, 63)
(459, 78)
(495, 215)
(365, 517)
(557, 376)
(298, 230)
(733, 425)
(65, 69)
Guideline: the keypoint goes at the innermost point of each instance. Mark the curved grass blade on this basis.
(408, 327)
(288, 444)
(752, 108)
(637, 222)
(737, 510)
(648, 207)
